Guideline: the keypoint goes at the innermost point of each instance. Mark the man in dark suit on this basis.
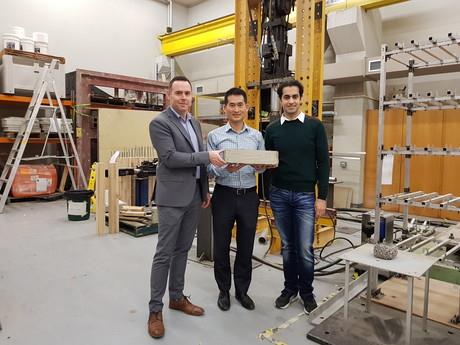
(181, 188)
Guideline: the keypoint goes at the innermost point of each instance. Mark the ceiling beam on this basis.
(221, 31)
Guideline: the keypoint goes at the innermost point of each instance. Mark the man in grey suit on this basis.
(181, 188)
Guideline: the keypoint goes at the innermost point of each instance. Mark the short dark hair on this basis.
(290, 83)
(235, 91)
(179, 78)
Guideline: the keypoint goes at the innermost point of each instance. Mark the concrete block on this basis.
(251, 157)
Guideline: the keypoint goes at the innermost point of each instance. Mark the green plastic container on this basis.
(78, 204)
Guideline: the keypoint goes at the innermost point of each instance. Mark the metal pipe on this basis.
(439, 198)
(451, 201)
(448, 52)
(170, 14)
(410, 296)
(380, 134)
(452, 251)
(346, 292)
(436, 247)
(274, 100)
(172, 64)
(425, 301)
(407, 240)
(420, 244)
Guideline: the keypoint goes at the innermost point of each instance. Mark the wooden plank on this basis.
(31, 55)
(393, 135)
(125, 188)
(451, 165)
(443, 298)
(100, 198)
(428, 173)
(65, 174)
(251, 157)
(114, 189)
(122, 130)
(133, 213)
(425, 171)
(132, 208)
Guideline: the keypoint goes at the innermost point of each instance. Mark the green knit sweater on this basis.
(303, 155)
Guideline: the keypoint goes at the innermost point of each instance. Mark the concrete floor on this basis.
(62, 284)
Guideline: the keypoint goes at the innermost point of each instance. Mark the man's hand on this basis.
(320, 207)
(232, 167)
(263, 166)
(258, 166)
(205, 204)
(215, 158)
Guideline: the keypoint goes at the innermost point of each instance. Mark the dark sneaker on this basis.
(246, 301)
(285, 299)
(223, 302)
(309, 304)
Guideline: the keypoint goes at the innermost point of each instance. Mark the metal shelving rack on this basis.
(433, 54)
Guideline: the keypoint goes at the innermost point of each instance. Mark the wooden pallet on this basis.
(137, 229)
(443, 298)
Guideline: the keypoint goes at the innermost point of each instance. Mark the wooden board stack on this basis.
(137, 214)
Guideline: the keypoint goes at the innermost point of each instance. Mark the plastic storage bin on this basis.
(78, 204)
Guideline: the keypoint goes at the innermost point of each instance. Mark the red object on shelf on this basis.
(34, 180)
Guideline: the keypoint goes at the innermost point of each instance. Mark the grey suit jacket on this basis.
(176, 180)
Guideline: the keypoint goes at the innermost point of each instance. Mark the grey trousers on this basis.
(176, 231)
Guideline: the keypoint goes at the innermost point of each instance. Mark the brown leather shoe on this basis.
(183, 304)
(156, 327)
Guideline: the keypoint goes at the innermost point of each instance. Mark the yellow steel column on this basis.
(309, 51)
(247, 63)
(319, 33)
(303, 49)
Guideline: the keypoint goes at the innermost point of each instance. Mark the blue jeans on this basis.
(295, 219)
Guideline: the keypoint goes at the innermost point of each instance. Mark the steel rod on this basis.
(436, 247)
(425, 301)
(407, 240)
(410, 292)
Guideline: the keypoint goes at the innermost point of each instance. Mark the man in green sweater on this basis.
(303, 165)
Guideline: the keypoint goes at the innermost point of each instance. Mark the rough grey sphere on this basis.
(385, 251)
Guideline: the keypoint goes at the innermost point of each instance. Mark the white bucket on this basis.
(11, 41)
(41, 47)
(18, 30)
(27, 44)
(40, 37)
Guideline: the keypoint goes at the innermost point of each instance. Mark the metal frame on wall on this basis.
(433, 54)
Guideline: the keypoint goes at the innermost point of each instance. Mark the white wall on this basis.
(212, 68)
(209, 10)
(115, 36)
(180, 17)
(418, 20)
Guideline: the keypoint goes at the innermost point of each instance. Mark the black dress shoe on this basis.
(223, 302)
(246, 301)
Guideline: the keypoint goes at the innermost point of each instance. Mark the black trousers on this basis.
(230, 205)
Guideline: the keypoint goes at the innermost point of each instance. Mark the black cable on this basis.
(327, 273)
(266, 215)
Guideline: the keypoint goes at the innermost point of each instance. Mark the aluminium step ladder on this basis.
(45, 85)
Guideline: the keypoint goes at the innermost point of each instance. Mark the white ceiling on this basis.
(188, 3)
